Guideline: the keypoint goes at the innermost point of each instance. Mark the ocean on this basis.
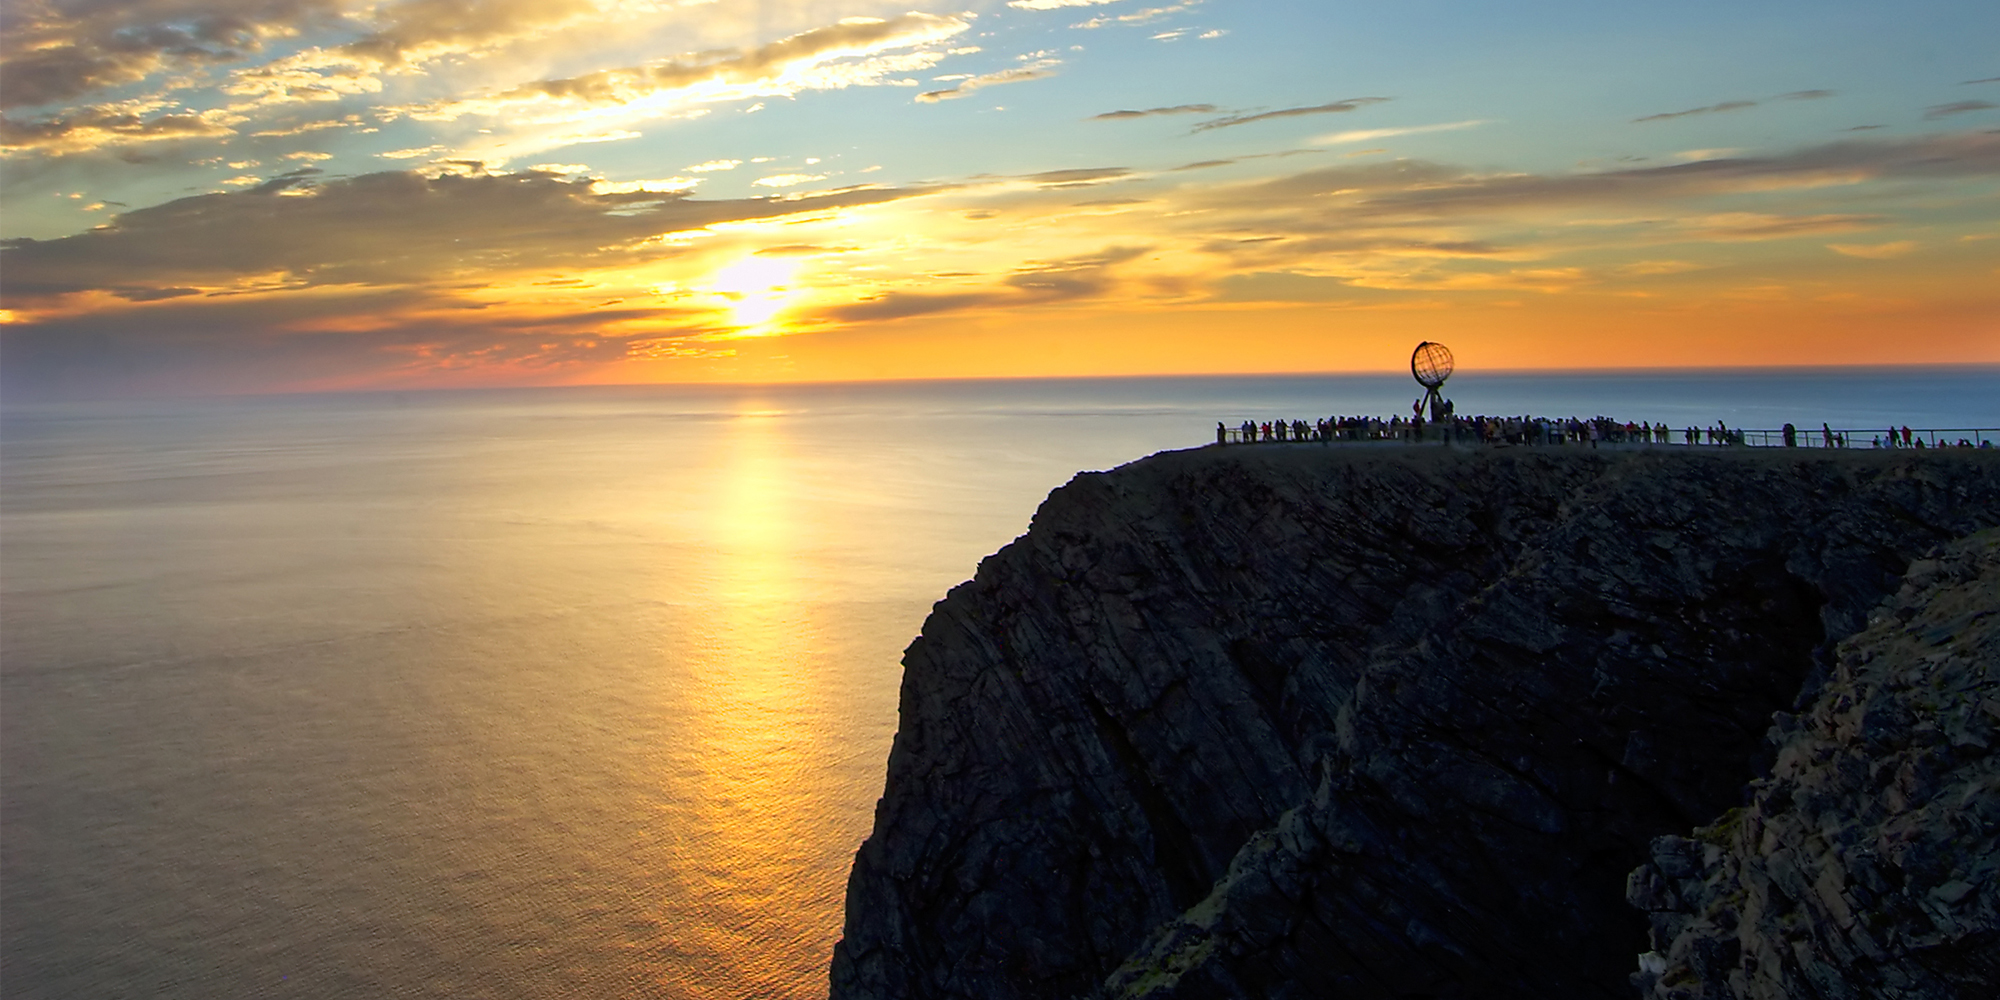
(541, 693)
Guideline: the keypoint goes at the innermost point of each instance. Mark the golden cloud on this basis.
(849, 53)
(1877, 251)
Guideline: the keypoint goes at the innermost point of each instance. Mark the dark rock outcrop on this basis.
(1367, 722)
(1868, 863)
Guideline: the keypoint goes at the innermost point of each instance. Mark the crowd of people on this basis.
(1537, 430)
(1491, 430)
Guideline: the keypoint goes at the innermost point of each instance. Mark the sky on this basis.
(225, 196)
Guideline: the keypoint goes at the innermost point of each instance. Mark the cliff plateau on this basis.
(1379, 722)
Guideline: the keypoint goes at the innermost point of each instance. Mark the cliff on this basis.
(1866, 864)
(1365, 722)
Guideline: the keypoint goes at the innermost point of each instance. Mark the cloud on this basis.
(707, 166)
(1805, 95)
(1752, 226)
(1369, 134)
(343, 338)
(787, 180)
(390, 229)
(95, 128)
(1990, 79)
(419, 30)
(1053, 4)
(1145, 16)
(406, 36)
(1178, 109)
(901, 305)
(1333, 108)
(1079, 177)
(1878, 251)
(1937, 111)
(802, 250)
(1711, 109)
(1033, 71)
(1357, 213)
(1034, 283)
(1390, 188)
(53, 52)
(810, 60)
(1657, 268)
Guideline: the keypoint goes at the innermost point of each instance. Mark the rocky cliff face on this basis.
(1364, 722)
(1868, 863)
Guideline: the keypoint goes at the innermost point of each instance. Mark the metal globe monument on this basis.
(1431, 364)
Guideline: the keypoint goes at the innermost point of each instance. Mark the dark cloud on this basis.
(1377, 200)
(1178, 109)
(1949, 155)
(1744, 227)
(1204, 164)
(1937, 111)
(1278, 250)
(1087, 262)
(1805, 95)
(1037, 70)
(1333, 108)
(901, 305)
(1034, 283)
(1035, 288)
(1078, 177)
(1709, 110)
(802, 250)
(211, 345)
(154, 294)
(1990, 79)
(57, 51)
(90, 128)
(378, 229)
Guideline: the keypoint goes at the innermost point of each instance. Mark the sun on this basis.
(757, 289)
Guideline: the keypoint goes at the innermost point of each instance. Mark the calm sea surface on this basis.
(548, 693)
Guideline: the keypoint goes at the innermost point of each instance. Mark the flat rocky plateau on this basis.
(1386, 721)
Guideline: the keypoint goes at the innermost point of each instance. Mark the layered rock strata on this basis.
(1363, 722)
(1868, 863)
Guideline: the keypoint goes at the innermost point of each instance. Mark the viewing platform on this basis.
(1601, 431)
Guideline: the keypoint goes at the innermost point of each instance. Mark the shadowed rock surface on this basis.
(1365, 722)
(1868, 864)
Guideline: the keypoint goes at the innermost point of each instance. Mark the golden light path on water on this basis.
(754, 734)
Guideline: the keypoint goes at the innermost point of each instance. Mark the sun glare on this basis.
(757, 289)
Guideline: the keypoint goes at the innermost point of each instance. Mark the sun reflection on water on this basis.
(754, 729)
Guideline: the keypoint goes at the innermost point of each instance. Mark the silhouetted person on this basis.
(1791, 436)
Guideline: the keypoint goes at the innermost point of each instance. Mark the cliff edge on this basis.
(1367, 722)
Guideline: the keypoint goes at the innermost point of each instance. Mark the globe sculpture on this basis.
(1431, 364)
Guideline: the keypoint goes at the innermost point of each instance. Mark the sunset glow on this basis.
(270, 195)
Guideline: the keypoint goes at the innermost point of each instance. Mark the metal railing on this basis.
(1865, 438)
(1677, 437)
